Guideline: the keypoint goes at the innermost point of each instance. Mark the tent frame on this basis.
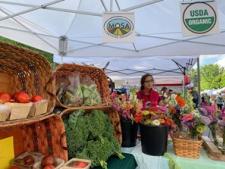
(46, 7)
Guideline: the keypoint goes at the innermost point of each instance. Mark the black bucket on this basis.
(129, 133)
(154, 139)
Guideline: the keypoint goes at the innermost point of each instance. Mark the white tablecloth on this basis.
(145, 161)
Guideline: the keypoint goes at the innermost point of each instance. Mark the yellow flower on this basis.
(148, 122)
(156, 122)
(145, 113)
(200, 129)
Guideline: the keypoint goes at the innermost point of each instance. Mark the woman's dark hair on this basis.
(164, 89)
(143, 79)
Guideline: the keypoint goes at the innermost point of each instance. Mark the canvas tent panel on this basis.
(159, 21)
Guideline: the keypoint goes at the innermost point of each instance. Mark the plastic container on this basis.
(58, 164)
(75, 163)
(19, 110)
(39, 108)
(19, 160)
(154, 139)
(4, 112)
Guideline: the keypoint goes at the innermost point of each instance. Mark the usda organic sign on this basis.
(199, 18)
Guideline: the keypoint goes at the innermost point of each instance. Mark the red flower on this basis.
(138, 118)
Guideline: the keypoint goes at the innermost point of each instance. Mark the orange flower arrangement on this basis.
(180, 101)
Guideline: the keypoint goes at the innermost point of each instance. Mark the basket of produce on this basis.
(23, 70)
(46, 137)
(78, 85)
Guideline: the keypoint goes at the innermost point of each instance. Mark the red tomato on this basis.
(47, 160)
(37, 98)
(5, 97)
(28, 160)
(22, 97)
(82, 164)
(79, 164)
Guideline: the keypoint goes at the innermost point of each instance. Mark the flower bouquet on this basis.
(187, 141)
(127, 106)
(154, 125)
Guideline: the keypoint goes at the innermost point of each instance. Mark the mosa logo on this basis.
(119, 27)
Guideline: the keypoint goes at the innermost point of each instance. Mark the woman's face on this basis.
(148, 83)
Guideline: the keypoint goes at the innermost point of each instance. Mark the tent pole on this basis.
(141, 5)
(56, 9)
(198, 77)
(31, 10)
(104, 5)
(61, 59)
(118, 6)
(111, 5)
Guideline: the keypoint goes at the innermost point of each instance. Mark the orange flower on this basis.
(172, 109)
(180, 101)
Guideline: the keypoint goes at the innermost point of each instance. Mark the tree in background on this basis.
(212, 77)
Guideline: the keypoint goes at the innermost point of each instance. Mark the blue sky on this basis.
(212, 59)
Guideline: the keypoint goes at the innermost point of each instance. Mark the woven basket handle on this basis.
(63, 141)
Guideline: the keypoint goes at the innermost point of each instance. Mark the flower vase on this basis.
(154, 139)
(129, 132)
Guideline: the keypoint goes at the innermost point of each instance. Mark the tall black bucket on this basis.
(154, 139)
(129, 133)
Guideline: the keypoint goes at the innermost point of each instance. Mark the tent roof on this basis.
(158, 27)
(166, 70)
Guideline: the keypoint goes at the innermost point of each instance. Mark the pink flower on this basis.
(187, 117)
(162, 108)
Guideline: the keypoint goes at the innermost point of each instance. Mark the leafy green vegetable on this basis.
(90, 136)
(91, 95)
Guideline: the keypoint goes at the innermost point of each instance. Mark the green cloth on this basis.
(204, 162)
(127, 163)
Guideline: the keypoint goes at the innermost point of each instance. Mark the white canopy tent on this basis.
(74, 28)
(166, 70)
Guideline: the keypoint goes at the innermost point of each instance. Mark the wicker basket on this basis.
(95, 74)
(22, 69)
(47, 137)
(187, 147)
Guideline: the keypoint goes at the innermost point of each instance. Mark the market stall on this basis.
(87, 123)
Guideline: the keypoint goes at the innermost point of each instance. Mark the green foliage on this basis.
(46, 55)
(90, 136)
(212, 77)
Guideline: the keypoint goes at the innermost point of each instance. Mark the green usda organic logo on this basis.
(199, 17)
(119, 27)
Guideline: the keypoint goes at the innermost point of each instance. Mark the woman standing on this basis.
(148, 96)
